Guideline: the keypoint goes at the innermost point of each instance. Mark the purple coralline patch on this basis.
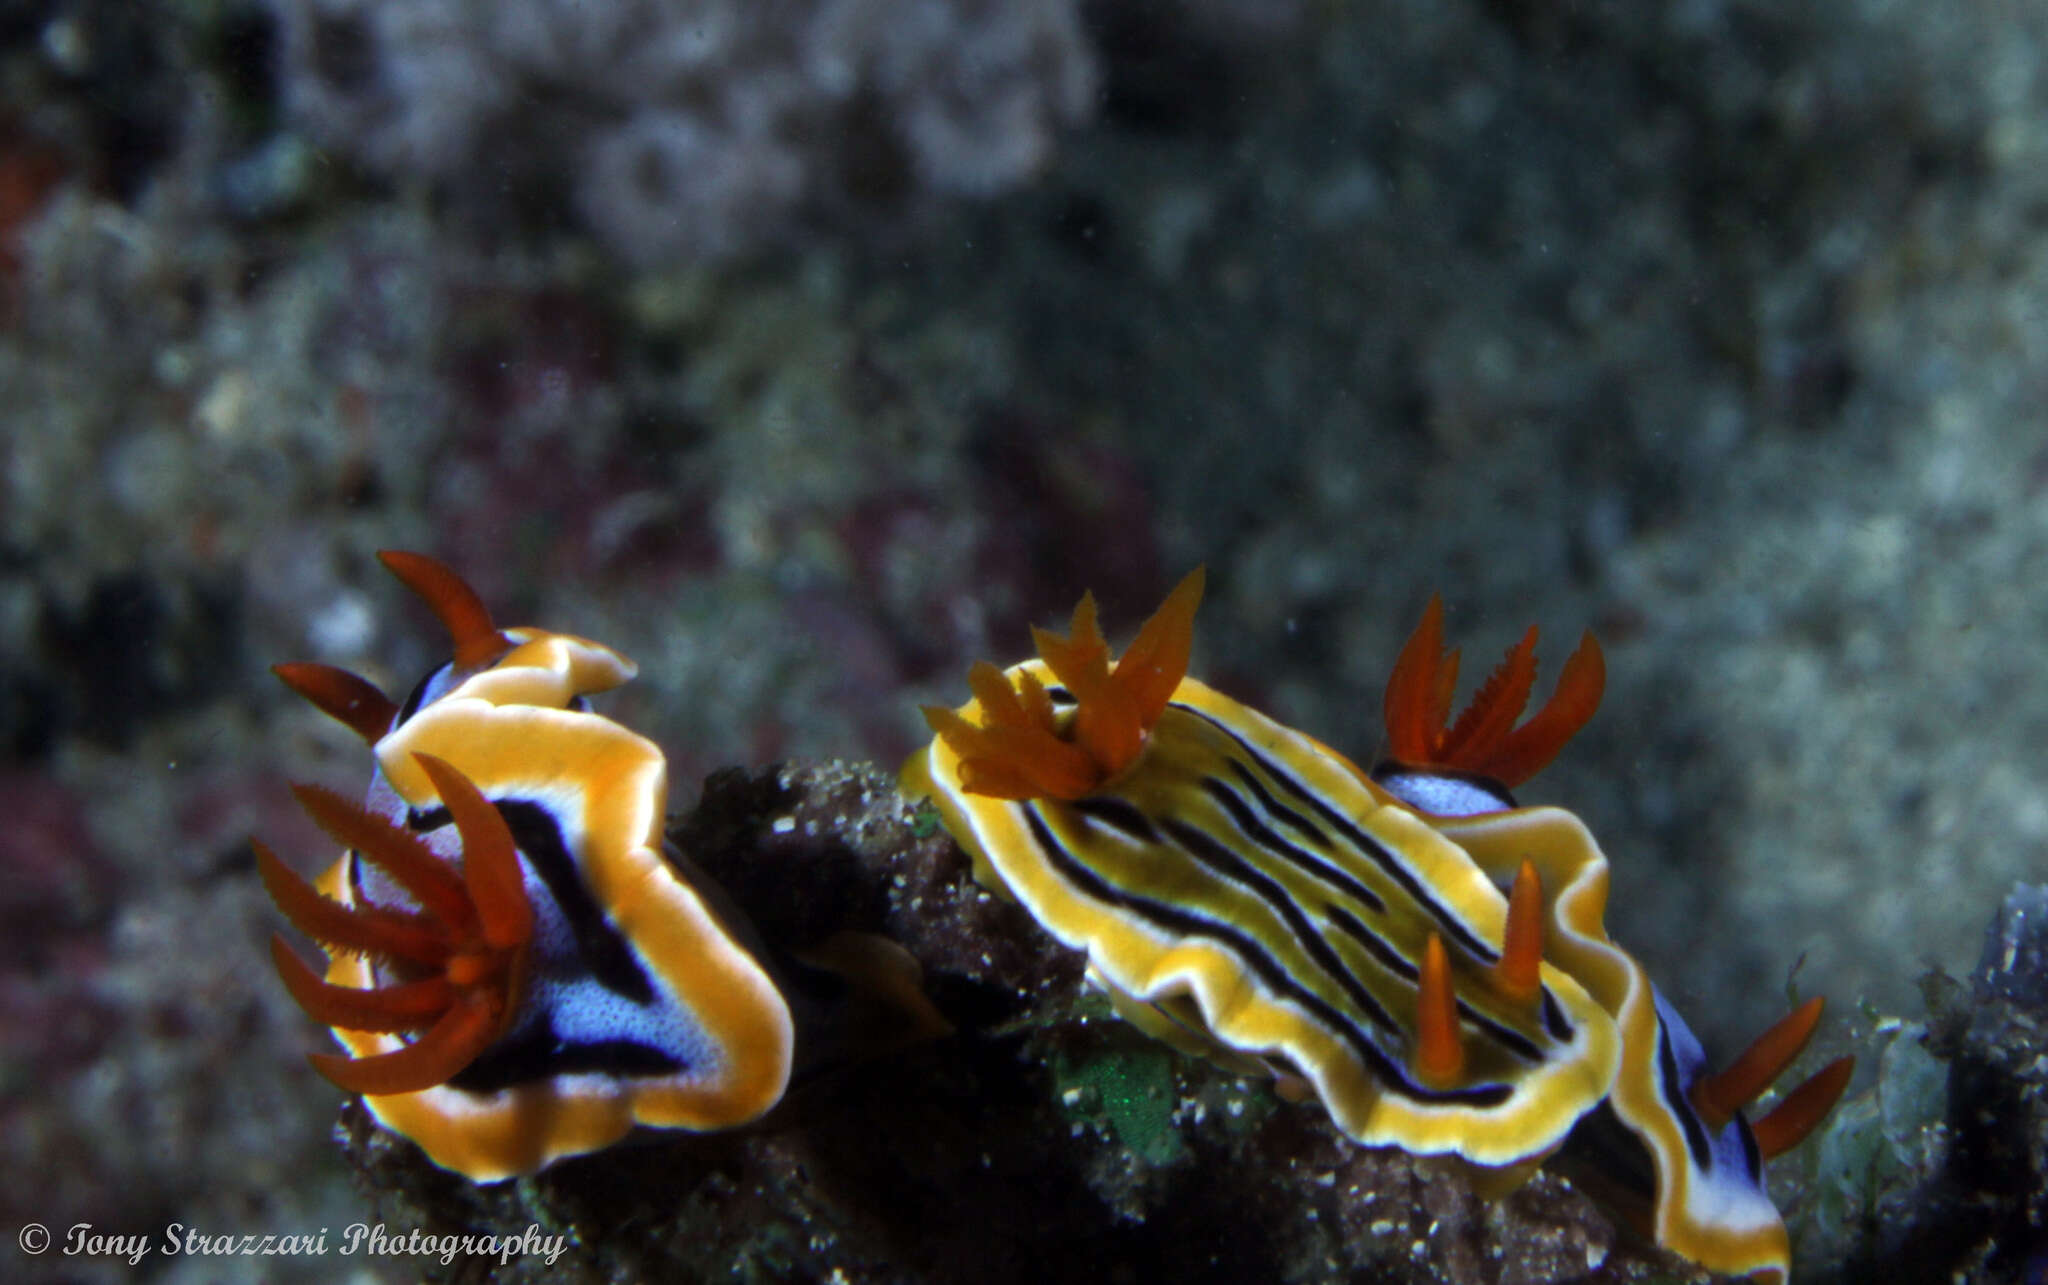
(57, 885)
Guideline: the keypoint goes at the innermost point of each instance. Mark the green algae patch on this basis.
(1875, 1149)
(1131, 1091)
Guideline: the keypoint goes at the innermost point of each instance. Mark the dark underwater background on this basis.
(808, 351)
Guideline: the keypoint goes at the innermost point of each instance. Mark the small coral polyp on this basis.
(516, 968)
(1429, 957)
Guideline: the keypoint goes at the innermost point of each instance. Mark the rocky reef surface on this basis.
(1710, 325)
(1042, 1137)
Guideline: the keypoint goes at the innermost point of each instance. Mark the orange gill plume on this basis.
(1018, 750)
(461, 955)
(1485, 741)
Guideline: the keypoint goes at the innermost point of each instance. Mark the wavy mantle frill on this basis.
(1042, 1138)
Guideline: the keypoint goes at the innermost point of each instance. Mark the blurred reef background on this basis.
(808, 350)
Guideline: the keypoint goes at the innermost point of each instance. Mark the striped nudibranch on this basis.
(1670, 1147)
(1429, 958)
(518, 967)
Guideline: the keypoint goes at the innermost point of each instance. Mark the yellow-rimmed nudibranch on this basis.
(518, 969)
(1670, 1148)
(1426, 957)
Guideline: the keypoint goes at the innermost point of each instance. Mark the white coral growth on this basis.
(694, 127)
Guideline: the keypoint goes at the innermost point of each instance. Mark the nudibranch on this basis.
(519, 969)
(1670, 1148)
(1240, 889)
(1244, 891)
